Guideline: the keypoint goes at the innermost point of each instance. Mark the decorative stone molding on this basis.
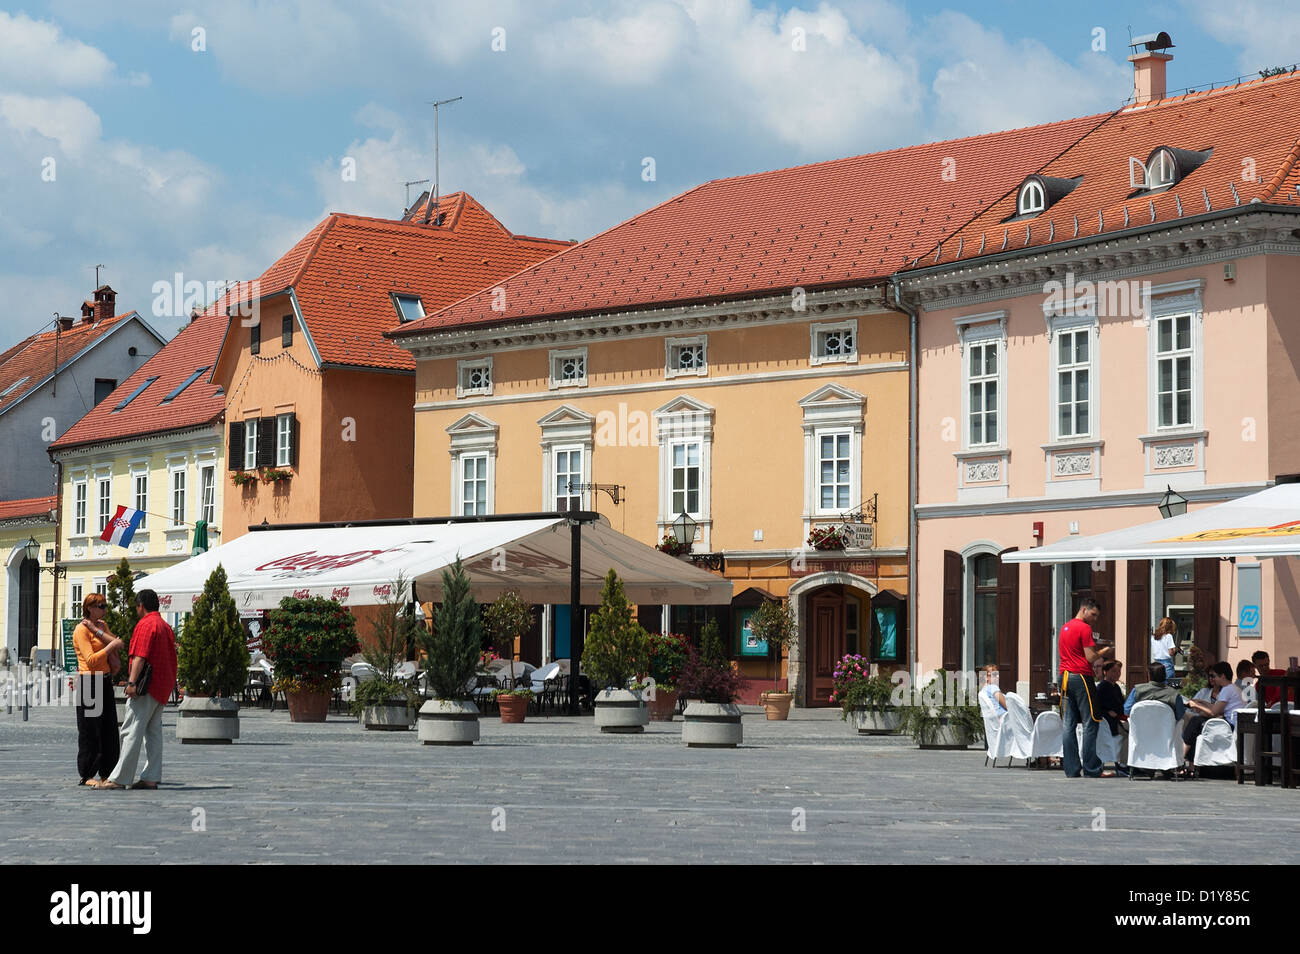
(984, 470)
(1174, 455)
(1070, 465)
(1179, 455)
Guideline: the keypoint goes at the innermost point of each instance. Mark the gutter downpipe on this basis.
(913, 399)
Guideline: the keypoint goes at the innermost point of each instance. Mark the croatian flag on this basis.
(122, 527)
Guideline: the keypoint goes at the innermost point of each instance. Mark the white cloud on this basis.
(64, 119)
(1268, 34)
(35, 54)
(991, 83)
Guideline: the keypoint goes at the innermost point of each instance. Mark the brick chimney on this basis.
(87, 312)
(105, 302)
(65, 324)
(1149, 59)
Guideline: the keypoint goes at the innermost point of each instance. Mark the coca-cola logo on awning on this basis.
(383, 590)
(339, 593)
(165, 602)
(311, 561)
(301, 594)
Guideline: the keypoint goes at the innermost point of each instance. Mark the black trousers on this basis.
(98, 744)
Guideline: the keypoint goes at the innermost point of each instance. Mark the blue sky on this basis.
(212, 162)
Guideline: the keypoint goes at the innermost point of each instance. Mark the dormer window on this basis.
(1031, 198)
(409, 307)
(1039, 193)
(1166, 166)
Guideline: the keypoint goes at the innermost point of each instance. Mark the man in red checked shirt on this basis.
(154, 642)
(1079, 703)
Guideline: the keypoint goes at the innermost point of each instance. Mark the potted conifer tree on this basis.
(507, 619)
(773, 622)
(120, 619)
(453, 656)
(617, 651)
(713, 685)
(212, 665)
(385, 702)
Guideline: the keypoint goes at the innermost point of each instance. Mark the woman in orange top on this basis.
(98, 662)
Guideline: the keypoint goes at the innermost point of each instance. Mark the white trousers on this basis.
(143, 727)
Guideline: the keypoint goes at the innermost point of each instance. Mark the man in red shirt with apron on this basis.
(1078, 693)
(154, 642)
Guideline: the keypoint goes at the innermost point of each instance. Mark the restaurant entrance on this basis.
(835, 629)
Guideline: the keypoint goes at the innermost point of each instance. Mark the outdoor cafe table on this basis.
(1290, 686)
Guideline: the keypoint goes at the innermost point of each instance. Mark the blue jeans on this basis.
(1078, 702)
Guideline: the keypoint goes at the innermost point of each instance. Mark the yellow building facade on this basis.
(26, 590)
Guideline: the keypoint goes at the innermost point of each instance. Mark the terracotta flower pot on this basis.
(777, 705)
(513, 708)
(308, 706)
(664, 705)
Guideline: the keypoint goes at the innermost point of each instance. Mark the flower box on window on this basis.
(827, 538)
(672, 547)
(241, 478)
(275, 475)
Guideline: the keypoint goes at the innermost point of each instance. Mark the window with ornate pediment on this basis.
(568, 436)
(684, 433)
(473, 448)
(834, 418)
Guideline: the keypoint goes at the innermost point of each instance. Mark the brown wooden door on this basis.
(1103, 591)
(1206, 578)
(826, 645)
(952, 621)
(1041, 664)
(1008, 622)
(1137, 647)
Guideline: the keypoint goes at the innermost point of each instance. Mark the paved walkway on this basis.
(555, 789)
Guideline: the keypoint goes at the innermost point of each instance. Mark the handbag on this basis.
(142, 682)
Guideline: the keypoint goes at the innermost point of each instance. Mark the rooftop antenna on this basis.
(97, 268)
(406, 209)
(432, 210)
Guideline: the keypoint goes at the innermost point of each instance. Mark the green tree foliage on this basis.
(773, 622)
(453, 646)
(121, 616)
(211, 653)
(617, 648)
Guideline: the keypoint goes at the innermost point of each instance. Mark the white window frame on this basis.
(101, 586)
(76, 595)
(982, 381)
(250, 443)
(173, 471)
(673, 348)
(685, 420)
(686, 467)
(1023, 204)
(283, 439)
(833, 434)
(1073, 325)
(1193, 355)
(977, 330)
(472, 436)
(80, 506)
(1162, 162)
(553, 502)
(465, 368)
(462, 482)
(139, 474)
(833, 409)
(104, 507)
(208, 487)
(563, 429)
(815, 332)
(557, 357)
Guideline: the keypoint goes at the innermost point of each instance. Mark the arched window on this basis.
(1161, 170)
(1031, 198)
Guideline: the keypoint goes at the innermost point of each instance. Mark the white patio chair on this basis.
(363, 672)
(1153, 740)
(1216, 745)
(1110, 747)
(1016, 735)
(1048, 737)
(992, 727)
(538, 677)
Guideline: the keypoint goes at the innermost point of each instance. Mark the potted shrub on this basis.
(507, 619)
(616, 653)
(452, 650)
(941, 717)
(864, 699)
(774, 622)
(212, 665)
(307, 640)
(670, 545)
(712, 685)
(385, 702)
(668, 653)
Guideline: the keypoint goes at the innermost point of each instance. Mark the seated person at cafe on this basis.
(1158, 690)
(1110, 697)
(1272, 694)
(992, 691)
(1246, 683)
(1225, 701)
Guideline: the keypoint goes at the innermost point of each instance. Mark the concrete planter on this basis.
(948, 736)
(444, 722)
(621, 710)
(392, 717)
(712, 725)
(776, 705)
(872, 722)
(203, 720)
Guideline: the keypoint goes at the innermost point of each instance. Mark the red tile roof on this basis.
(839, 223)
(32, 361)
(345, 270)
(31, 507)
(1252, 129)
(202, 402)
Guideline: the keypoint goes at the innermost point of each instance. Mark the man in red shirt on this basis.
(1079, 703)
(1263, 667)
(154, 642)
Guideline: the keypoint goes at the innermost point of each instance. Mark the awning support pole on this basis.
(575, 611)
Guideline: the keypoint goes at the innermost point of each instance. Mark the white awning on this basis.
(355, 565)
(1263, 524)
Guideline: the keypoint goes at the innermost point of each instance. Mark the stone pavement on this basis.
(334, 793)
